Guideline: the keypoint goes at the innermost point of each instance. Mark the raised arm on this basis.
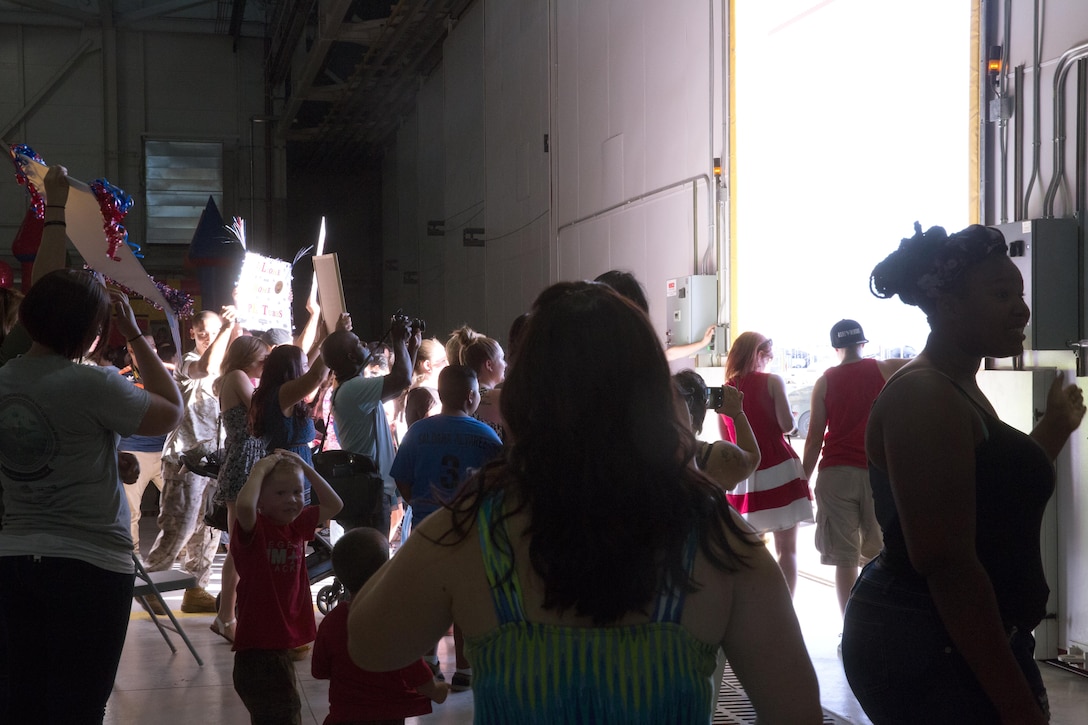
(245, 507)
(405, 344)
(817, 424)
(303, 386)
(312, 333)
(735, 462)
(676, 352)
(53, 251)
(212, 359)
(165, 409)
(1064, 412)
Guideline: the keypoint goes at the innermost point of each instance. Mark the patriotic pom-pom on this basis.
(180, 301)
(36, 199)
(114, 203)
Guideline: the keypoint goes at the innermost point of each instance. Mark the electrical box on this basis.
(1046, 251)
(691, 306)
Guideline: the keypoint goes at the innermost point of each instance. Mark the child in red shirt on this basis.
(357, 696)
(275, 608)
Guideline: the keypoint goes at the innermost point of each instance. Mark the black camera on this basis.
(414, 324)
(715, 397)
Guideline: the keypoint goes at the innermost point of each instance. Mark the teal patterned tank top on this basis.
(525, 672)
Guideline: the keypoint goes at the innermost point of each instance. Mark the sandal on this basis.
(223, 629)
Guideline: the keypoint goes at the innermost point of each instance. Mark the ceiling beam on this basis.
(328, 28)
(157, 11)
(362, 33)
(46, 6)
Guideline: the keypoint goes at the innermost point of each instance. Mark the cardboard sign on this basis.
(263, 293)
(330, 288)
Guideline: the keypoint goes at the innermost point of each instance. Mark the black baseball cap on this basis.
(845, 333)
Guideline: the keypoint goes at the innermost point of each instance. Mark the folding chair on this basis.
(151, 585)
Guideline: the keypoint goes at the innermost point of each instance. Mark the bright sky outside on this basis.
(852, 123)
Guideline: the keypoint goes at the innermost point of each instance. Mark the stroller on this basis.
(357, 481)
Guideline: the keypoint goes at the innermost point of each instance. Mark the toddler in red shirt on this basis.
(358, 696)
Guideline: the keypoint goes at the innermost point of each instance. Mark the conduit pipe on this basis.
(1061, 72)
(1036, 105)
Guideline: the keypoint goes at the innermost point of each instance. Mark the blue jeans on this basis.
(901, 663)
(65, 623)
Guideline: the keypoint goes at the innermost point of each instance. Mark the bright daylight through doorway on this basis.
(852, 122)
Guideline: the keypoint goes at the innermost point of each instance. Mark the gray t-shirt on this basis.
(59, 426)
(361, 426)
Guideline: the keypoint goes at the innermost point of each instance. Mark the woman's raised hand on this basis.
(1065, 403)
(56, 186)
(123, 316)
(732, 400)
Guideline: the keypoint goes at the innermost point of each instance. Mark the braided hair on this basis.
(932, 263)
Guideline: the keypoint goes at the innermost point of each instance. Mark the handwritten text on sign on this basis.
(263, 295)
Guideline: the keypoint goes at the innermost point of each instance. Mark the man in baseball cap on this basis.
(847, 532)
(847, 333)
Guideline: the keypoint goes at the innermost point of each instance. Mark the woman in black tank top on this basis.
(938, 627)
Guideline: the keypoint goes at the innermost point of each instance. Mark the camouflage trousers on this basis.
(183, 535)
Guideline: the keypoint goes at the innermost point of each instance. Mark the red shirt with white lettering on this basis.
(275, 607)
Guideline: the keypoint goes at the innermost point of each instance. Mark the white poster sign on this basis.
(263, 293)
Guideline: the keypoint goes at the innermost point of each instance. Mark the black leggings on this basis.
(64, 626)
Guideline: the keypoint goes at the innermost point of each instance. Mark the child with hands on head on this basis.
(275, 607)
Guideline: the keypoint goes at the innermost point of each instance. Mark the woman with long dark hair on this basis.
(592, 568)
(938, 626)
(280, 409)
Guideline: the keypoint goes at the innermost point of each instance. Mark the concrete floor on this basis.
(155, 686)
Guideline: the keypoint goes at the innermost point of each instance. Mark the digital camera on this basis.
(715, 397)
(414, 324)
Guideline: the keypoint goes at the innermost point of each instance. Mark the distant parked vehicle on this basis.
(796, 358)
(800, 404)
(905, 352)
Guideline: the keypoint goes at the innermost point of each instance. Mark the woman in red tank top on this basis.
(776, 497)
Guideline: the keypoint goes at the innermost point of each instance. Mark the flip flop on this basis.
(221, 628)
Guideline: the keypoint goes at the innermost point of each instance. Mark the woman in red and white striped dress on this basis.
(776, 497)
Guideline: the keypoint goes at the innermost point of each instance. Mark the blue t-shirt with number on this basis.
(437, 455)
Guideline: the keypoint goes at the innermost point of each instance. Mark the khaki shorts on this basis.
(847, 532)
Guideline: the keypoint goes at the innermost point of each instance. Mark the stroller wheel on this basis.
(328, 596)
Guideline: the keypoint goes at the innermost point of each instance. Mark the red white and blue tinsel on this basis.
(36, 199)
(181, 302)
(114, 203)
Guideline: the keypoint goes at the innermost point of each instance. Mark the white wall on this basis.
(623, 92)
